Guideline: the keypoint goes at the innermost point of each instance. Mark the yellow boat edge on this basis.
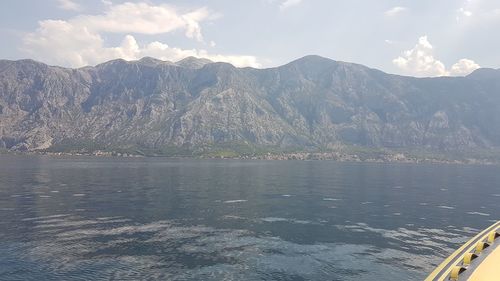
(462, 261)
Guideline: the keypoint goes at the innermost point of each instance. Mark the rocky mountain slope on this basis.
(311, 103)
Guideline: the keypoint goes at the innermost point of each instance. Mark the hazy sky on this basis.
(417, 37)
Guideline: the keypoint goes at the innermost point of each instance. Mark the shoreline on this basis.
(400, 158)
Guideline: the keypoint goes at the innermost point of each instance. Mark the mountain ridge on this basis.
(147, 59)
(311, 103)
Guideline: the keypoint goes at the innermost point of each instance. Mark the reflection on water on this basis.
(138, 219)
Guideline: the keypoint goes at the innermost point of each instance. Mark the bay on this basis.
(99, 218)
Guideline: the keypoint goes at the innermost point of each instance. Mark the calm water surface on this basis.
(86, 218)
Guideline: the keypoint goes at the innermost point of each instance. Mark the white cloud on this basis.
(144, 18)
(463, 67)
(59, 42)
(289, 3)
(420, 61)
(395, 11)
(463, 13)
(78, 41)
(473, 13)
(69, 5)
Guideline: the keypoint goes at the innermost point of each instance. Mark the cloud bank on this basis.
(79, 41)
(420, 61)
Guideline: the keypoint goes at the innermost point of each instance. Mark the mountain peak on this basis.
(312, 59)
(193, 62)
(112, 62)
(152, 61)
(484, 73)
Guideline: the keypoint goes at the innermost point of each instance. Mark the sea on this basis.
(118, 218)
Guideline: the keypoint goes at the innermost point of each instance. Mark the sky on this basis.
(413, 37)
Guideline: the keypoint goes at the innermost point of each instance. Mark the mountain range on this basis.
(312, 103)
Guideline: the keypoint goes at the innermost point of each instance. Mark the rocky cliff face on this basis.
(310, 103)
